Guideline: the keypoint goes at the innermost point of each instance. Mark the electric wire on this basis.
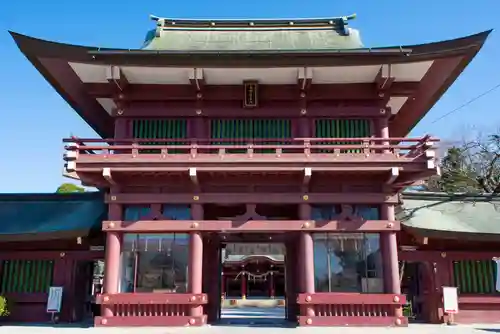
(474, 99)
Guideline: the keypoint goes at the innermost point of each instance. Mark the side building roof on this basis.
(28, 217)
(456, 216)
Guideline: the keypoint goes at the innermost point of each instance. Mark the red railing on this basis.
(403, 147)
(339, 309)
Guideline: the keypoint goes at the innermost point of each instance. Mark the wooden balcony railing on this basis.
(248, 150)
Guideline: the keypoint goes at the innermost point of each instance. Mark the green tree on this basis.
(70, 188)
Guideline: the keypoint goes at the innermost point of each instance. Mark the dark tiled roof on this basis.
(50, 216)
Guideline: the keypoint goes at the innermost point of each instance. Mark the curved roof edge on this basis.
(44, 48)
(51, 60)
(442, 196)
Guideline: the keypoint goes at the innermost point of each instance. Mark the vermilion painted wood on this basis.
(479, 299)
(351, 298)
(351, 320)
(243, 198)
(250, 226)
(51, 255)
(150, 321)
(328, 92)
(152, 298)
(269, 109)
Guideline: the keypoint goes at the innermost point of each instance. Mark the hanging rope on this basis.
(254, 277)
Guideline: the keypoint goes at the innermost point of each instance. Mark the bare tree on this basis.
(473, 166)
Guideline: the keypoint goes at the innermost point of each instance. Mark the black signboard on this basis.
(251, 94)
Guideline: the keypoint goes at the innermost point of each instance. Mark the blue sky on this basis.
(34, 119)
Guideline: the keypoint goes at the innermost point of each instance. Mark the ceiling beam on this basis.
(149, 92)
(270, 109)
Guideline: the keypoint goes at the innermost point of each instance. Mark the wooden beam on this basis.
(276, 109)
(106, 174)
(304, 81)
(276, 226)
(307, 176)
(193, 175)
(384, 78)
(117, 78)
(316, 92)
(196, 78)
(393, 175)
(243, 198)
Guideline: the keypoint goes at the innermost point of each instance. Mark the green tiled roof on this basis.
(252, 35)
(478, 216)
(50, 216)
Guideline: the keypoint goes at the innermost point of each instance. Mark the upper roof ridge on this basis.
(340, 21)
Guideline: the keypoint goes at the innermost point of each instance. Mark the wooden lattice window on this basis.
(475, 277)
(159, 129)
(27, 276)
(273, 129)
(342, 128)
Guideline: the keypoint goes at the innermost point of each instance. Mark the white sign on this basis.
(450, 298)
(55, 299)
(497, 283)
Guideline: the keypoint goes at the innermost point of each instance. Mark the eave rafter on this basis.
(304, 83)
(197, 79)
(115, 76)
(394, 174)
(384, 80)
(118, 82)
(106, 174)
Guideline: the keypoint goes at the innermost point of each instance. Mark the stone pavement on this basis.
(253, 320)
(412, 329)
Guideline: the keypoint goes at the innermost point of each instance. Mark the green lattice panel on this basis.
(342, 128)
(160, 129)
(475, 277)
(250, 129)
(27, 276)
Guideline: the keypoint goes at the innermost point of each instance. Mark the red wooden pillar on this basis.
(223, 285)
(306, 258)
(292, 281)
(389, 248)
(112, 257)
(271, 285)
(195, 265)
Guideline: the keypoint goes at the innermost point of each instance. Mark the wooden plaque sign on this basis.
(251, 94)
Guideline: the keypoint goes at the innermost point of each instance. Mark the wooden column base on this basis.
(150, 321)
(327, 321)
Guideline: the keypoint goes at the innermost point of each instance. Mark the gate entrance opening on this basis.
(255, 285)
